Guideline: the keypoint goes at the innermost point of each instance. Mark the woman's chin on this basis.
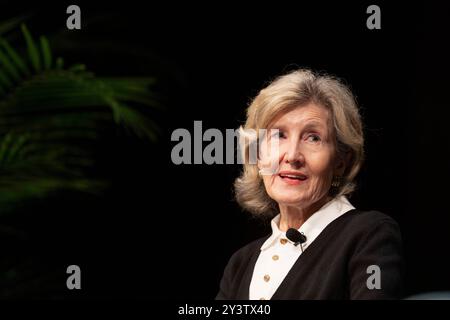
(288, 199)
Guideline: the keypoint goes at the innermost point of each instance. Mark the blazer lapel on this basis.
(296, 269)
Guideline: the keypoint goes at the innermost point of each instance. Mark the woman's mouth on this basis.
(292, 178)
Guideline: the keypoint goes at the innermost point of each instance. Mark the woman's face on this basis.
(305, 156)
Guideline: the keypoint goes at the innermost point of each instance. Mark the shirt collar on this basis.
(315, 224)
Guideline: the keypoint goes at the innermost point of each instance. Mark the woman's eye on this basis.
(314, 138)
(278, 134)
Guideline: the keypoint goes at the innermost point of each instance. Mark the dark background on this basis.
(164, 231)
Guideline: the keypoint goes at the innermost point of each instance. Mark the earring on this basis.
(336, 182)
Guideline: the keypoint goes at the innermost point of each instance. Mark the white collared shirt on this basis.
(278, 254)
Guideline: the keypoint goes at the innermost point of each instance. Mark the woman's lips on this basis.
(292, 179)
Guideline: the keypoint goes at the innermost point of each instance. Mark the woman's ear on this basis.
(341, 163)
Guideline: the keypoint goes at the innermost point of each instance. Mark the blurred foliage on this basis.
(63, 131)
(52, 117)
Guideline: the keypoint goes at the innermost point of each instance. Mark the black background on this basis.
(165, 231)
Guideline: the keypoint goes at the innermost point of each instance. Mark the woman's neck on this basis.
(296, 216)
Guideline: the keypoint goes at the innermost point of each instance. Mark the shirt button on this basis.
(283, 241)
(275, 257)
(266, 278)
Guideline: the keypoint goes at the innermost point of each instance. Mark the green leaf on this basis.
(18, 61)
(133, 119)
(9, 67)
(12, 23)
(33, 52)
(46, 53)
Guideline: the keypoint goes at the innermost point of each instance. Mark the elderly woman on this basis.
(321, 246)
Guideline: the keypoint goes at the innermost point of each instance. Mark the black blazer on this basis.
(334, 266)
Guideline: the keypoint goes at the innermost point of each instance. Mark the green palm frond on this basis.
(11, 24)
(51, 116)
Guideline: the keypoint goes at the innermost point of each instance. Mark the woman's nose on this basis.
(294, 154)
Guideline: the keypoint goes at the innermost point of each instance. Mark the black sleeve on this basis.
(226, 281)
(381, 246)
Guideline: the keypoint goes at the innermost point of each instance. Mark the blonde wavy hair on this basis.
(292, 90)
